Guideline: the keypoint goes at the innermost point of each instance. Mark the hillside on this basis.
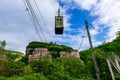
(10, 62)
(113, 46)
(10, 55)
(109, 47)
(60, 68)
(50, 46)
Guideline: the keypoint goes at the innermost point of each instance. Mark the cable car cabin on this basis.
(59, 25)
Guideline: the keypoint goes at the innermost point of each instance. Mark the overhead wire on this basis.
(87, 17)
(82, 40)
(31, 14)
(34, 18)
(81, 43)
(40, 26)
(45, 26)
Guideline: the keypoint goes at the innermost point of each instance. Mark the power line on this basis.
(41, 17)
(30, 13)
(82, 40)
(33, 16)
(37, 21)
(81, 43)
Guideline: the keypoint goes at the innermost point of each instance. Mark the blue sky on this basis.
(17, 28)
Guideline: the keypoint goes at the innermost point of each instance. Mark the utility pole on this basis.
(92, 52)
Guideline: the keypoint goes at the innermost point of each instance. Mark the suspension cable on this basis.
(37, 21)
(34, 19)
(82, 40)
(42, 17)
(30, 13)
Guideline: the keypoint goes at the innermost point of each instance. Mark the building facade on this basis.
(42, 52)
(36, 53)
(73, 53)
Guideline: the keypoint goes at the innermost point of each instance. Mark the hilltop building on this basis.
(74, 53)
(36, 53)
(42, 52)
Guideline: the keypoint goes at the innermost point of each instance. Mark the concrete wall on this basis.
(37, 53)
(74, 53)
(42, 52)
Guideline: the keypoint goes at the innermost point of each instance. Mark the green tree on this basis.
(27, 70)
(15, 69)
(3, 43)
(102, 64)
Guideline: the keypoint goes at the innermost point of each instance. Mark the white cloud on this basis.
(108, 15)
(94, 31)
(81, 4)
(17, 29)
(85, 4)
